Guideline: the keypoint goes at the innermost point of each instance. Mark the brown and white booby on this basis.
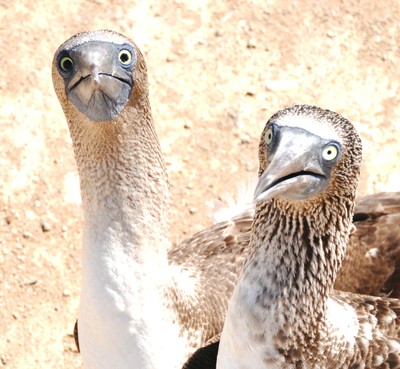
(143, 302)
(284, 312)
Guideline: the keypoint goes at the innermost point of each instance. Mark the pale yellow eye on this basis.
(125, 56)
(269, 135)
(330, 152)
(66, 64)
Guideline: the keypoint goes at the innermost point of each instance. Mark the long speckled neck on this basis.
(277, 314)
(296, 252)
(124, 182)
(123, 317)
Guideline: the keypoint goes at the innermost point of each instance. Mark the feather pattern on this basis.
(372, 264)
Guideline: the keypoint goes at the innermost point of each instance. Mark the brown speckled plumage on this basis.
(284, 312)
(216, 256)
(372, 260)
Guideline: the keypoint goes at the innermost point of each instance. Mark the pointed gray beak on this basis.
(295, 170)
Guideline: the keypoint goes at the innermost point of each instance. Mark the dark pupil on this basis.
(329, 152)
(124, 57)
(66, 64)
(269, 136)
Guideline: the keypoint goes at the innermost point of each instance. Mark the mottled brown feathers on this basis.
(377, 342)
(372, 260)
(371, 265)
(225, 244)
(216, 256)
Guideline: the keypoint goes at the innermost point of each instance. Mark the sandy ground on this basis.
(217, 71)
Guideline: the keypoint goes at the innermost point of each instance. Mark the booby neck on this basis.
(125, 242)
(124, 183)
(295, 278)
(126, 316)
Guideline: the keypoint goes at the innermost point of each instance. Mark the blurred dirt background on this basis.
(217, 71)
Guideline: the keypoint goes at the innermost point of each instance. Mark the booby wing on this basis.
(372, 261)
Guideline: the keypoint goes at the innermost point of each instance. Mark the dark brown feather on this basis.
(205, 357)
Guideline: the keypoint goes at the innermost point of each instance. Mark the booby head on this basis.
(303, 152)
(95, 71)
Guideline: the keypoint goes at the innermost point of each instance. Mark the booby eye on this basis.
(125, 56)
(330, 152)
(66, 64)
(269, 135)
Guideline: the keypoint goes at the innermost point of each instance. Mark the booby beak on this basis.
(297, 169)
(98, 78)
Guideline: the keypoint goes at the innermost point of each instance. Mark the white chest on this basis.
(123, 318)
(246, 343)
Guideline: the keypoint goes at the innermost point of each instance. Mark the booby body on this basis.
(143, 304)
(284, 312)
